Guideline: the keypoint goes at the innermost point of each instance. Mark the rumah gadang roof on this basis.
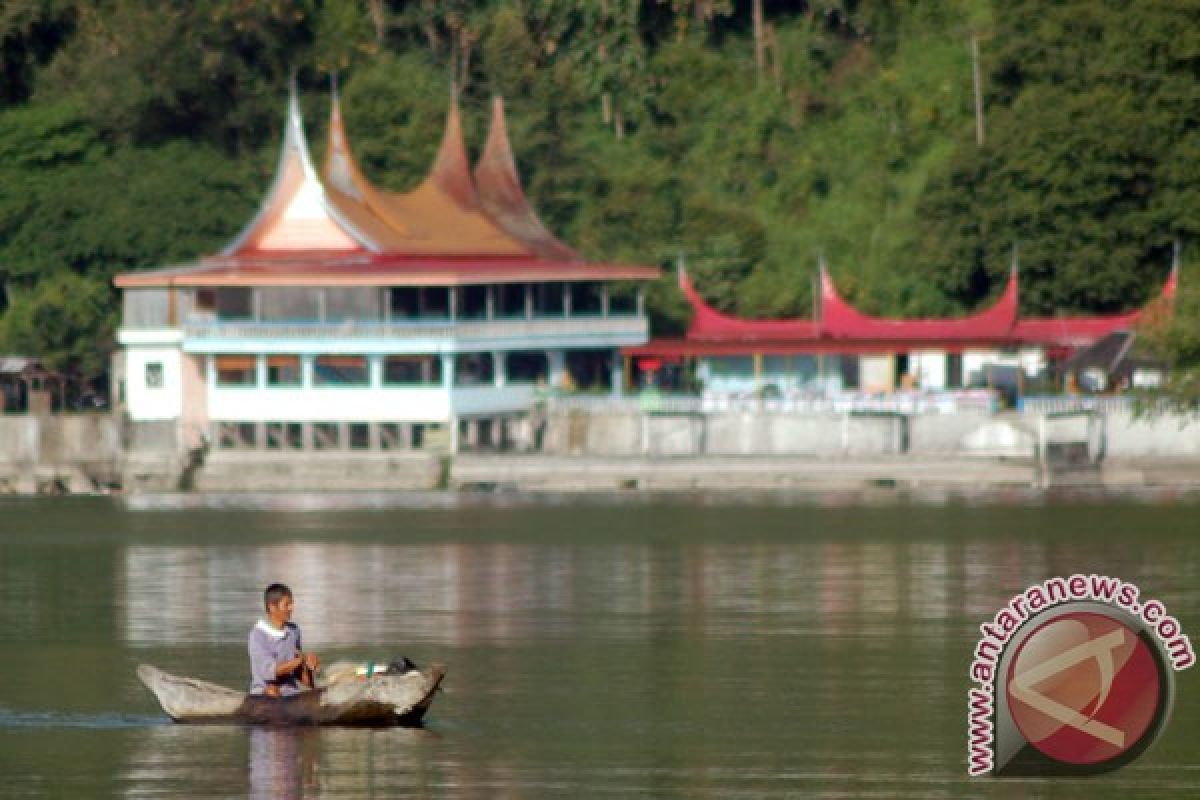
(839, 327)
(334, 227)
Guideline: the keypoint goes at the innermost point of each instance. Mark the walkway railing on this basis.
(465, 329)
(1064, 403)
(969, 401)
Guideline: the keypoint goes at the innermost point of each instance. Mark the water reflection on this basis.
(283, 763)
(462, 594)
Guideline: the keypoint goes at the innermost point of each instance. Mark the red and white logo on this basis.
(1084, 688)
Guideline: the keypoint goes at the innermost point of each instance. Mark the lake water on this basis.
(684, 649)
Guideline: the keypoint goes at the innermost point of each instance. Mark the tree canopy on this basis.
(754, 137)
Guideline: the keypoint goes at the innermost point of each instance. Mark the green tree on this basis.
(1091, 112)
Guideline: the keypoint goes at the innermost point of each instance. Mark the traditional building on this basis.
(347, 316)
(843, 349)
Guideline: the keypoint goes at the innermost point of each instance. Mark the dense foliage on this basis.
(753, 136)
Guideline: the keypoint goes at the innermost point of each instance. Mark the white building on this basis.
(345, 316)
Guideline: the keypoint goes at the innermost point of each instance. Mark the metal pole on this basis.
(978, 89)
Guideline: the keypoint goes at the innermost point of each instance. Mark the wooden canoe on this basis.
(380, 700)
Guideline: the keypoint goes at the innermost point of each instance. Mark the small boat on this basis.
(379, 700)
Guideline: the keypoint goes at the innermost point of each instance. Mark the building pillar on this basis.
(566, 299)
(604, 299)
(556, 363)
(375, 371)
(447, 369)
(306, 371)
(529, 301)
(489, 301)
(260, 371)
(758, 371)
(616, 373)
(499, 378)
(641, 301)
(452, 302)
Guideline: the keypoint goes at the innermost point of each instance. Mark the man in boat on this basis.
(278, 664)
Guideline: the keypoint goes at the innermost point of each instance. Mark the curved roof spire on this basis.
(842, 320)
(451, 171)
(708, 323)
(297, 213)
(341, 170)
(500, 192)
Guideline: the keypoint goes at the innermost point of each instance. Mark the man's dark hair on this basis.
(274, 593)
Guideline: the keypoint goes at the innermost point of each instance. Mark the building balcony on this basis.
(420, 335)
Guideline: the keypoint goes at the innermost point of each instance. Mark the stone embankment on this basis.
(632, 451)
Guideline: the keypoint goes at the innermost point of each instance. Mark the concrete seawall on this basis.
(629, 450)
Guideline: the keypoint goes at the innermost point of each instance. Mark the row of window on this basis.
(324, 435)
(334, 304)
(470, 369)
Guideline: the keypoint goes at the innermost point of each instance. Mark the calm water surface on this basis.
(678, 650)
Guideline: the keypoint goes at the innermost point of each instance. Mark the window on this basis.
(237, 435)
(154, 375)
(359, 435)
(234, 303)
(346, 304)
(405, 302)
(435, 302)
(954, 370)
(511, 299)
(548, 299)
(585, 298)
(285, 436)
(326, 435)
(390, 436)
(340, 371)
(622, 298)
(283, 370)
(412, 370)
(235, 371)
(527, 366)
(289, 303)
(206, 301)
(731, 366)
(472, 302)
(473, 369)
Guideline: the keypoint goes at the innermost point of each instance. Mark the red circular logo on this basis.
(1084, 688)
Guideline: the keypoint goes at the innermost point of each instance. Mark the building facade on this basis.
(345, 316)
(842, 350)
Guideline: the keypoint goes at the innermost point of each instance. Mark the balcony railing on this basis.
(614, 325)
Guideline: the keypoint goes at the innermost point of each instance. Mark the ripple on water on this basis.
(59, 719)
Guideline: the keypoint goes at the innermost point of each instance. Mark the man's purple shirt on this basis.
(268, 648)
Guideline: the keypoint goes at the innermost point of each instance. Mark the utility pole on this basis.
(978, 89)
(759, 36)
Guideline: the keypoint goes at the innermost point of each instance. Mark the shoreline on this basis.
(450, 500)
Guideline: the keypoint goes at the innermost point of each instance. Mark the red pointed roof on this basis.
(841, 320)
(840, 325)
(1083, 330)
(504, 199)
(710, 324)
